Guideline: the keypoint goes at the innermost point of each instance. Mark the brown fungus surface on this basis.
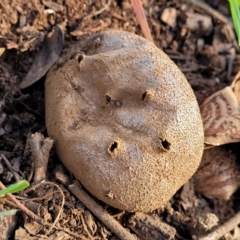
(124, 119)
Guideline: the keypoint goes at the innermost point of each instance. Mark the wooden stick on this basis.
(139, 11)
(9, 165)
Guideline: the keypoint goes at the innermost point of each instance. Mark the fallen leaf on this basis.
(45, 58)
(221, 115)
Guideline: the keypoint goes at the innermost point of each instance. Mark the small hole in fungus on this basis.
(79, 58)
(108, 99)
(166, 145)
(144, 95)
(113, 146)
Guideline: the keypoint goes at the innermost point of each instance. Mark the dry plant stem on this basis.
(40, 149)
(22, 207)
(61, 208)
(100, 213)
(223, 229)
(230, 59)
(9, 165)
(24, 199)
(219, 16)
(139, 11)
(102, 9)
(9, 203)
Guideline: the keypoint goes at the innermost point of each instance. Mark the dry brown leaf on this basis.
(218, 174)
(221, 115)
(45, 58)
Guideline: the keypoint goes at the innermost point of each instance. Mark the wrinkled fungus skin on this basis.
(124, 119)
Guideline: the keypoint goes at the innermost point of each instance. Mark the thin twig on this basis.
(100, 213)
(230, 59)
(61, 207)
(22, 207)
(9, 165)
(9, 203)
(139, 11)
(223, 229)
(25, 199)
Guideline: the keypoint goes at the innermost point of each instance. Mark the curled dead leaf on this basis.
(218, 174)
(221, 115)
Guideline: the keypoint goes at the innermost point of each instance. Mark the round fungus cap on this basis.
(124, 119)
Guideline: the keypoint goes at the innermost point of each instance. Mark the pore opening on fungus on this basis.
(113, 146)
(165, 144)
(79, 58)
(144, 95)
(108, 99)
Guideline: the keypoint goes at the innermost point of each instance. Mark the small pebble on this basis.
(169, 16)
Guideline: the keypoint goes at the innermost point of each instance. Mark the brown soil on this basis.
(202, 53)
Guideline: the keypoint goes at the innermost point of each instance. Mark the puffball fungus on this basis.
(124, 119)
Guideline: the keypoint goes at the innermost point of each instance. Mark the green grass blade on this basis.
(234, 8)
(8, 213)
(16, 187)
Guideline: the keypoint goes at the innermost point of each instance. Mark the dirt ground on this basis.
(196, 39)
